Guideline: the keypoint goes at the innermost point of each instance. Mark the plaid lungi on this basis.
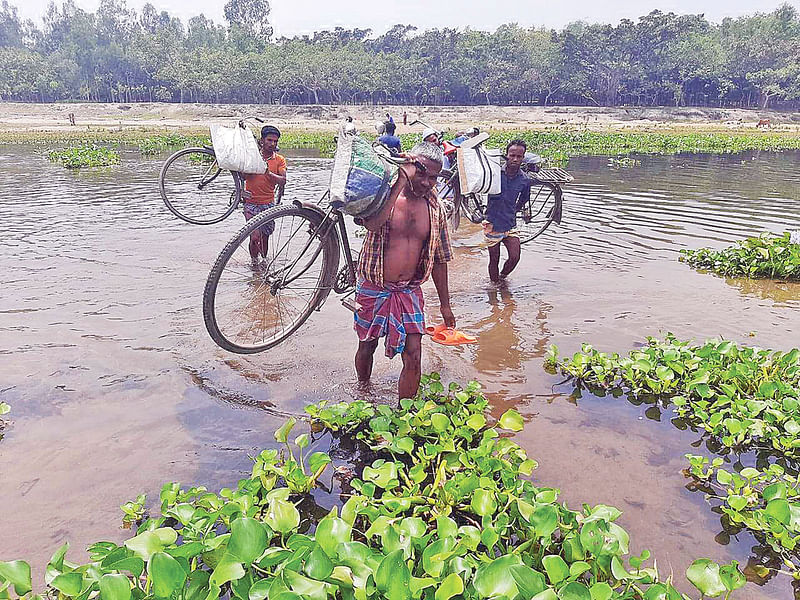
(394, 311)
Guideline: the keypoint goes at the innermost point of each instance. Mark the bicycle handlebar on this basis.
(251, 117)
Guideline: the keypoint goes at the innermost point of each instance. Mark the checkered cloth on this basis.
(394, 311)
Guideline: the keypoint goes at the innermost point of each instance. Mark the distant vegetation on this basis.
(119, 55)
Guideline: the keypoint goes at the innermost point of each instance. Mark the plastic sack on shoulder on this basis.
(236, 149)
(479, 170)
(361, 179)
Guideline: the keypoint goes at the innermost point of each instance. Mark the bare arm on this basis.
(275, 178)
(439, 275)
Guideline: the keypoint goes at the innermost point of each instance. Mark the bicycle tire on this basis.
(473, 208)
(293, 225)
(197, 193)
(543, 207)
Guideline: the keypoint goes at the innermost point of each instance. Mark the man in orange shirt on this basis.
(261, 190)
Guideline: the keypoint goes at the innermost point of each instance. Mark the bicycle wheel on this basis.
(196, 190)
(474, 207)
(543, 208)
(250, 306)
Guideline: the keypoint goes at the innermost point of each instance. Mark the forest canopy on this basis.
(117, 54)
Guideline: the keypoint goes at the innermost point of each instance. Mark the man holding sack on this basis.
(407, 242)
(260, 190)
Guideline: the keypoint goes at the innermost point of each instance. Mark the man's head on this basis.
(430, 135)
(390, 128)
(515, 154)
(426, 160)
(269, 138)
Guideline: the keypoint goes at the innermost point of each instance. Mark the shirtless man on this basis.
(407, 242)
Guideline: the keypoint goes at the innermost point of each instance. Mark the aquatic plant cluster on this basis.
(746, 399)
(158, 144)
(768, 255)
(89, 155)
(443, 510)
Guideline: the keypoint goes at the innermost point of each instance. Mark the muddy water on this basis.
(116, 387)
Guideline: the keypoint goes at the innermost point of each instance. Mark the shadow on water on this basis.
(115, 386)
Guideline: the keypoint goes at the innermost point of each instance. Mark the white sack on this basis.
(479, 170)
(236, 149)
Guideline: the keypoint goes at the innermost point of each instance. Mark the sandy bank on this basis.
(20, 117)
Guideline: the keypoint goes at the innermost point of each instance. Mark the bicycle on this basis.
(542, 209)
(196, 190)
(250, 306)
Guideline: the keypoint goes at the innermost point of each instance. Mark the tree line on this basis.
(118, 55)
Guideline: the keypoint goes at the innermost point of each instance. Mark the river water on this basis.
(116, 388)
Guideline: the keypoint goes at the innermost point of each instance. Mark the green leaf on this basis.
(557, 570)
(384, 475)
(476, 422)
(227, 570)
(318, 565)
(307, 588)
(736, 502)
(704, 575)
(282, 516)
(440, 422)
(331, 532)
(545, 520)
(529, 581)
(167, 575)
(18, 573)
(393, 577)
(511, 420)
(491, 579)
(69, 584)
(547, 594)
(148, 543)
(574, 590)
(452, 585)
(301, 441)
(779, 509)
(115, 587)
(282, 434)
(483, 502)
(601, 591)
(316, 460)
(248, 540)
(731, 577)
(4, 408)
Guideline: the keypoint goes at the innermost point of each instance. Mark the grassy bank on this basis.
(554, 145)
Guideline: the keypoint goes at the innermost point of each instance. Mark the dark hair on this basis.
(517, 142)
(269, 129)
(390, 127)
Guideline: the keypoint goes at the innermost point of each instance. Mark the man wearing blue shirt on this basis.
(389, 139)
(501, 212)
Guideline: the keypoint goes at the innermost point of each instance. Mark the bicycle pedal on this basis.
(350, 304)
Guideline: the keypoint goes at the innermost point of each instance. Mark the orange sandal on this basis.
(453, 337)
(435, 330)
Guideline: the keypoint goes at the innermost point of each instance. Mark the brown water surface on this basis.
(116, 388)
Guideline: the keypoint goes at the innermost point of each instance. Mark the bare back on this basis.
(409, 231)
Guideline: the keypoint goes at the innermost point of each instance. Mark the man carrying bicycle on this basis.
(407, 242)
(501, 211)
(260, 190)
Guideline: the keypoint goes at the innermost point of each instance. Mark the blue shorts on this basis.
(251, 210)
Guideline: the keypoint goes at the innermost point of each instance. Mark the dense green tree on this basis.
(116, 54)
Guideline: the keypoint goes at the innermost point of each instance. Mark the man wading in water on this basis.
(260, 190)
(407, 242)
(501, 212)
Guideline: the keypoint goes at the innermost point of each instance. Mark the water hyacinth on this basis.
(768, 255)
(87, 155)
(441, 507)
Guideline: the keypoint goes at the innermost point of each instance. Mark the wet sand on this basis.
(116, 388)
